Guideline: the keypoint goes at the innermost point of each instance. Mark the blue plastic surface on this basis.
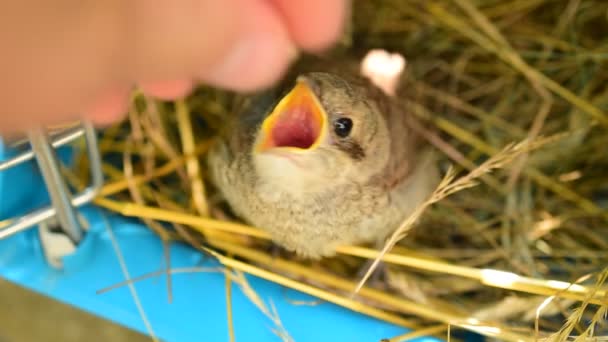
(198, 310)
(20, 187)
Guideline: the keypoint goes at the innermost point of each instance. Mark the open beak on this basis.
(297, 123)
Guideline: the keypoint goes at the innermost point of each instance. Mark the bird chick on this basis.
(322, 160)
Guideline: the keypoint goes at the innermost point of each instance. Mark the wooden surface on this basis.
(27, 316)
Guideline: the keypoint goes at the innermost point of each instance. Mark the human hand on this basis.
(64, 60)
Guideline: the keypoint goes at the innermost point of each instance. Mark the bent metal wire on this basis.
(63, 208)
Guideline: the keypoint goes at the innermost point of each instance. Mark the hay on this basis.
(519, 256)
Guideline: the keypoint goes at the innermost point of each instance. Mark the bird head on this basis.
(324, 131)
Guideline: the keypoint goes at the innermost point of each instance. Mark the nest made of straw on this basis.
(520, 255)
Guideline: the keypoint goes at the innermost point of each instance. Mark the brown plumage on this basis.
(323, 159)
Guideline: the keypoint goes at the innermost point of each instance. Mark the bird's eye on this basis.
(343, 126)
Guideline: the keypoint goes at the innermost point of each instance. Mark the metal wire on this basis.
(62, 139)
(63, 204)
(58, 190)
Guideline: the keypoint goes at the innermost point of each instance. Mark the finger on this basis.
(261, 57)
(167, 90)
(238, 44)
(109, 108)
(58, 59)
(314, 24)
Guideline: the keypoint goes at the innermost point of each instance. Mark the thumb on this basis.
(241, 45)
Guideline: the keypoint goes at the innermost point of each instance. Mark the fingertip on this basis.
(167, 90)
(315, 24)
(109, 108)
(259, 58)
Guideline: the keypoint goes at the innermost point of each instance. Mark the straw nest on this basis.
(513, 243)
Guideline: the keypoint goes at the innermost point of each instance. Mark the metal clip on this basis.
(63, 205)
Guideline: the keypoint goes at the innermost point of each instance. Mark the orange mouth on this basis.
(297, 122)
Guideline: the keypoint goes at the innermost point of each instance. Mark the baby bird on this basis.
(324, 159)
